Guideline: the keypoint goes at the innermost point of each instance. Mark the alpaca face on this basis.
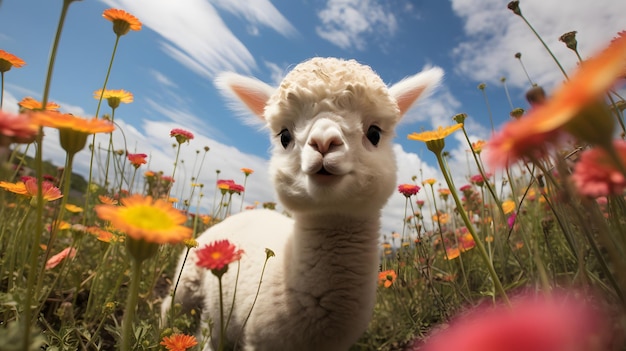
(331, 123)
(333, 160)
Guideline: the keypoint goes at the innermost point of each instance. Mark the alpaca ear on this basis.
(408, 90)
(241, 89)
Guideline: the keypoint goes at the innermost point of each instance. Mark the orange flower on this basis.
(16, 188)
(7, 61)
(114, 97)
(107, 200)
(478, 146)
(145, 219)
(573, 107)
(28, 188)
(137, 159)
(508, 206)
(386, 278)
(179, 342)
(122, 21)
(58, 258)
(247, 171)
(217, 256)
(31, 104)
(452, 253)
(67, 121)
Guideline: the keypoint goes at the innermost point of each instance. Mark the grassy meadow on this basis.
(531, 245)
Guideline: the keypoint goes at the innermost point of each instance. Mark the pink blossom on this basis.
(58, 258)
(560, 323)
(596, 174)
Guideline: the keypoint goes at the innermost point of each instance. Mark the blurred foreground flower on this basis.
(537, 324)
(17, 128)
(179, 342)
(8, 61)
(576, 107)
(142, 218)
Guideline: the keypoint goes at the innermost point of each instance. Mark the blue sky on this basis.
(169, 66)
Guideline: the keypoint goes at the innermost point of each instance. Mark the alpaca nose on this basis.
(326, 144)
(325, 136)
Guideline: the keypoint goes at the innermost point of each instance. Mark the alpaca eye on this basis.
(373, 135)
(285, 137)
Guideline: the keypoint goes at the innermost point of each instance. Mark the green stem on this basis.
(131, 306)
(481, 248)
(180, 273)
(545, 46)
(220, 346)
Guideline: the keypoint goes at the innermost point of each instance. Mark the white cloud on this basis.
(259, 11)
(162, 79)
(495, 34)
(195, 34)
(346, 23)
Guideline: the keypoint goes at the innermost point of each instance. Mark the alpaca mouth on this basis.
(323, 171)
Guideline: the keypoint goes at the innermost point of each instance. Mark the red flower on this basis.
(538, 324)
(386, 278)
(58, 258)
(179, 342)
(408, 189)
(596, 175)
(137, 159)
(181, 135)
(217, 256)
(236, 188)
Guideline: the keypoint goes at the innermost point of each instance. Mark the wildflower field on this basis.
(528, 254)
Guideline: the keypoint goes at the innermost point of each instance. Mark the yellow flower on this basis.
(508, 206)
(430, 181)
(7, 61)
(16, 188)
(142, 218)
(114, 97)
(434, 139)
(122, 21)
(73, 208)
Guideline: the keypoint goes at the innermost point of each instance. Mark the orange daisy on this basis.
(179, 342)
(8, 61)
(430, 181)
(386, 278)
(107, 200)
(31, 104)
(146, 219)
(114, 97)
(247, 171)
(122, 21)
(68, 121)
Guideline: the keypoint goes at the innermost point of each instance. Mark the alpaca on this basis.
(331, 123)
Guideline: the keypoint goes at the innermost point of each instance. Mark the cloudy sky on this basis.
(169, 66)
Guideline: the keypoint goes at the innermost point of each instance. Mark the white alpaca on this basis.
(331, 124)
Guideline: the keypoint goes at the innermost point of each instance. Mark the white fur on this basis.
(318, 292)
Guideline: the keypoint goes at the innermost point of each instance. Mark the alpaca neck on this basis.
(331, 250)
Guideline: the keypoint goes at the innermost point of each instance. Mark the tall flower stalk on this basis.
(435, 143)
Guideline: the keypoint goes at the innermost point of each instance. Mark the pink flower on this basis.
(137, 159)
(408, 189)
(559, 323)
(511, 220)
(58, 258)
(181, 135)
(596, 175)
(17, 128)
